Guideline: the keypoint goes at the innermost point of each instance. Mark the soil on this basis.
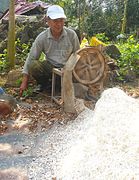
(37, 113)
(40, 113)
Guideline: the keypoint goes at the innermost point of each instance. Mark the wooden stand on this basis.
(56, 98)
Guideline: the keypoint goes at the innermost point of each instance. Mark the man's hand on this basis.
(24, 84)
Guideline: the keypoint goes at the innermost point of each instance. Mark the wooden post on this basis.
(68, 89)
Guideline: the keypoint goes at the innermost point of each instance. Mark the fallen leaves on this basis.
(42, 115)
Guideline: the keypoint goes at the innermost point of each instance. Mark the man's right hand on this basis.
(24, 84)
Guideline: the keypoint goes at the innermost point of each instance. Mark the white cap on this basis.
(55, 12)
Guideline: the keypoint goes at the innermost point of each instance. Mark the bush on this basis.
(129, 60)
(22, 50)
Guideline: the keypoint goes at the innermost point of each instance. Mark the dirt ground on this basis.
(41, 113)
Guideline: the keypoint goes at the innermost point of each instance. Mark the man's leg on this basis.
(42, 73)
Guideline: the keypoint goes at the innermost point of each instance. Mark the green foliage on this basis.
(28, 92)
(100, 16)
(21, 54)
(74, 23)
(18, 82)
(3, 61)
(22, 50)
(129, 60)
(102, 37)
(42, 57)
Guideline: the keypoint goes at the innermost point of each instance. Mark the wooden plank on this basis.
(67, 88)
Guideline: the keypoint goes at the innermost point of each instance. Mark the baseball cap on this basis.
(55, 12)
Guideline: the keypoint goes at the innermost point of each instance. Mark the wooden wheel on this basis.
(90, 66)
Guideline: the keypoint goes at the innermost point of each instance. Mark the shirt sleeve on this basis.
(76, 43)
(34, 54)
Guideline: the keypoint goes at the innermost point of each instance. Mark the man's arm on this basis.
(24, 84)
(75, 42)
(34, 54)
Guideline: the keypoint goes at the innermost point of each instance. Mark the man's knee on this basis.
(35, 68)
(41, 71)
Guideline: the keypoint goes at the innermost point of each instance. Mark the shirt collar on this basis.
(64, 33)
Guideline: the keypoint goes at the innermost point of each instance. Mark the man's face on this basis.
(56, 25)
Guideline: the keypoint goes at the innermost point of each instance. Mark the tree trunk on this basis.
(11, 35)
(125, 17)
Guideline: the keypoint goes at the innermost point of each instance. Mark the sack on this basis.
(84, 43)
(95, 42)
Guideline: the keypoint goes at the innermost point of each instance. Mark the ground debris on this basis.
(42, 115)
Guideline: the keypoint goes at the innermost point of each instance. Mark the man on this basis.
(57, 43)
